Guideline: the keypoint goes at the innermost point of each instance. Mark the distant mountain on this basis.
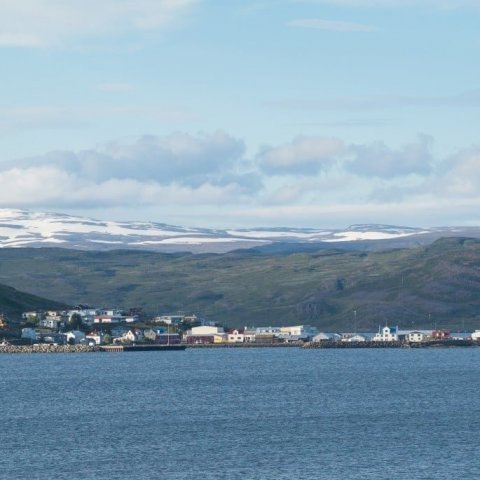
(21, 228)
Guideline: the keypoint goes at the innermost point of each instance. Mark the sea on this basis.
(256, 413)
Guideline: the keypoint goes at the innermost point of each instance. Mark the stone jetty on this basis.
(47, 348)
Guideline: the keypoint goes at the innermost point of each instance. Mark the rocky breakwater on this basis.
(47, 348)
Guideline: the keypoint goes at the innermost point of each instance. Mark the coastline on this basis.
(49, 348)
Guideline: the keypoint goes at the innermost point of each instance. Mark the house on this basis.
(88, 314)
(249, 335)
(417, 336)
(102, 318)
(304, 332)
(51, 323)
(94, 338)
(109, 316)
(268, 330)
(129, 337)
(74, 337)
(386, 334)
(440, 334)
(475, 335)
(322, 337)
(357, 338)
(267, 334)
(235, 336)
(169, 319)
(151, 334)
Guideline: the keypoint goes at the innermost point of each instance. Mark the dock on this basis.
(141, 348)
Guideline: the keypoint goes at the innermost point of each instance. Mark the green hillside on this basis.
(420, 287)
(14, 302)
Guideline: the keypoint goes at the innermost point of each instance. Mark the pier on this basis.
(141, 348)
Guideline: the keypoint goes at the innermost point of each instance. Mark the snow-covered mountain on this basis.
(21, 228)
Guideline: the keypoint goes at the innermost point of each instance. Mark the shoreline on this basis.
(49, 348)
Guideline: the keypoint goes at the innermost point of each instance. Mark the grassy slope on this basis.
(14, 302)
(414, 287)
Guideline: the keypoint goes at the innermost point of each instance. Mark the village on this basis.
(84, 325)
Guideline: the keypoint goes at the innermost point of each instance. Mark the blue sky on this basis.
(314, 113)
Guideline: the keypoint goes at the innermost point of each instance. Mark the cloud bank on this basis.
(212, 172)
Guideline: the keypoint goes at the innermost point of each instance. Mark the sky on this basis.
(242, 113)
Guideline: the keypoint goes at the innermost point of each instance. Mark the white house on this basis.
(322, 337)
(300, 331)
(357, 338)
(475, 335)
(94, 337)
(236, 337)
(416, 336)
(386, 334)
(75, 336)
(130, 336)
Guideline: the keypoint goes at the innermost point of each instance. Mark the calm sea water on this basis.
(242, 414)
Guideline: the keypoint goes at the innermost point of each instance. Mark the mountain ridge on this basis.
(23, 228)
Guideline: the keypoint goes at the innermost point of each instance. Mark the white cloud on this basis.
(303, 156)
(310, 179)
(457, 177)
(332, 25)
(176, 169)
(52, 187)
(377, 160)
(178, 157)
(35, 23)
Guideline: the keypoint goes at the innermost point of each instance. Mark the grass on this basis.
(412, 287)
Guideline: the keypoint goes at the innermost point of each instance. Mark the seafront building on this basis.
(98, 326)
(205, 334)
(386, 334)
